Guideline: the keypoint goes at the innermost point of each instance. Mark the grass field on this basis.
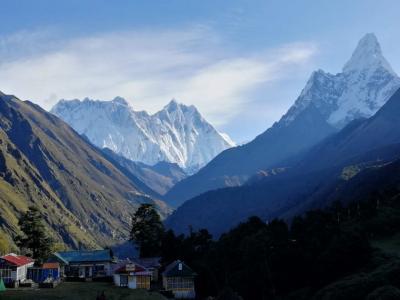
(79, 291)
(390, 245)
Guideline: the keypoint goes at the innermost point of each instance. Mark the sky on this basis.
(242, 63)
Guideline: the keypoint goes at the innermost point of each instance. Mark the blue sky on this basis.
(242, 63)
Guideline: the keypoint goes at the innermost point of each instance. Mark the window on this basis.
(99, 270)
(143, 282)
(175, 283)
(6, 275)
(72, 271)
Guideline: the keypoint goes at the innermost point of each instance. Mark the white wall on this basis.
(132, 282)
(116, 279)
(22, 271)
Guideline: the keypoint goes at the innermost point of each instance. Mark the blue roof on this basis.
(59, 258)
(86, 255)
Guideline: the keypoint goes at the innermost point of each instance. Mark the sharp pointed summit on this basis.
(367, 55)
(365, 84)
(172, 105)
(327, 103)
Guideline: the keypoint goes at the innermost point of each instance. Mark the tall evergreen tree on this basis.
(147, 230)
(34, 239)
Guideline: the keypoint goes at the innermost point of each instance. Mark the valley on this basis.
(160, 201)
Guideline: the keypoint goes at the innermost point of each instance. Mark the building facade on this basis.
(47, 272)
(88, 264)
(152, 264)
(133, 276)
(179, 279)
(14, 268)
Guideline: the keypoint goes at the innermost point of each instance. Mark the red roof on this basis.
(130, 268)
(17, 260)
(51, 265)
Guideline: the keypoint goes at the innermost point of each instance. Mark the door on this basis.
(88, 272)
(123, 280)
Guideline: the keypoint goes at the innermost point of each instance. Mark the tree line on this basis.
(257, 259)
(270, 260)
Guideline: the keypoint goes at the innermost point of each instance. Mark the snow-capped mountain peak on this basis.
(119, 100)
(177, 133)
(367, 55)
(365, 84)
(172, 105)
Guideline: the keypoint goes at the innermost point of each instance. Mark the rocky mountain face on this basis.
(160, 178)
(176, 134)
(86, 200)
(326, 104)
(359, 153)
(364, 85)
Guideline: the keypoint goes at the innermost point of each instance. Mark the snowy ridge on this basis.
(177, 133)
(364, 85)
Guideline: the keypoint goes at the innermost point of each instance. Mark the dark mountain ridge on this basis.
(154, 180)
(86, 200)
(362, 145)
(327, 103)
(265, 151)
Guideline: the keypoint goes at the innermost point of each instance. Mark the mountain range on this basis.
(176, 134)
(88, 164)
(344, 135)
(326, 104)
(85, 198)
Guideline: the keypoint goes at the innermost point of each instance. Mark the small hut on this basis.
(13, 268)
(179, 279)
(152, 264)
(133, 276)
(48, 271)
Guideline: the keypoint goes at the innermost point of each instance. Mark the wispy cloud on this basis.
(148, 68)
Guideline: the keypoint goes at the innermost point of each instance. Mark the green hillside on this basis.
(86, 201)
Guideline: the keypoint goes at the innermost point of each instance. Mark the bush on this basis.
(387, 292)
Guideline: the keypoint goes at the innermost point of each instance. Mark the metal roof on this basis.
(149, 262)
(17, 260)
(51, 265)
(85, 255)
(131, 268)
(173, 270)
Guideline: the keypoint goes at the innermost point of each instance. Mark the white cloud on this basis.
(148, 68)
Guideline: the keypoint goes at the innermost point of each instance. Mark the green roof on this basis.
(178, 269)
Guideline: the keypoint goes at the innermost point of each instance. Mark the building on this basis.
(133, 276)
(14, 268)
(56, 258)
(47, 272)
(152, 264)
(179, 279)
(87, 264)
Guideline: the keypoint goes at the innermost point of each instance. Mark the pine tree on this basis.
(147, 230)
(34, 240)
